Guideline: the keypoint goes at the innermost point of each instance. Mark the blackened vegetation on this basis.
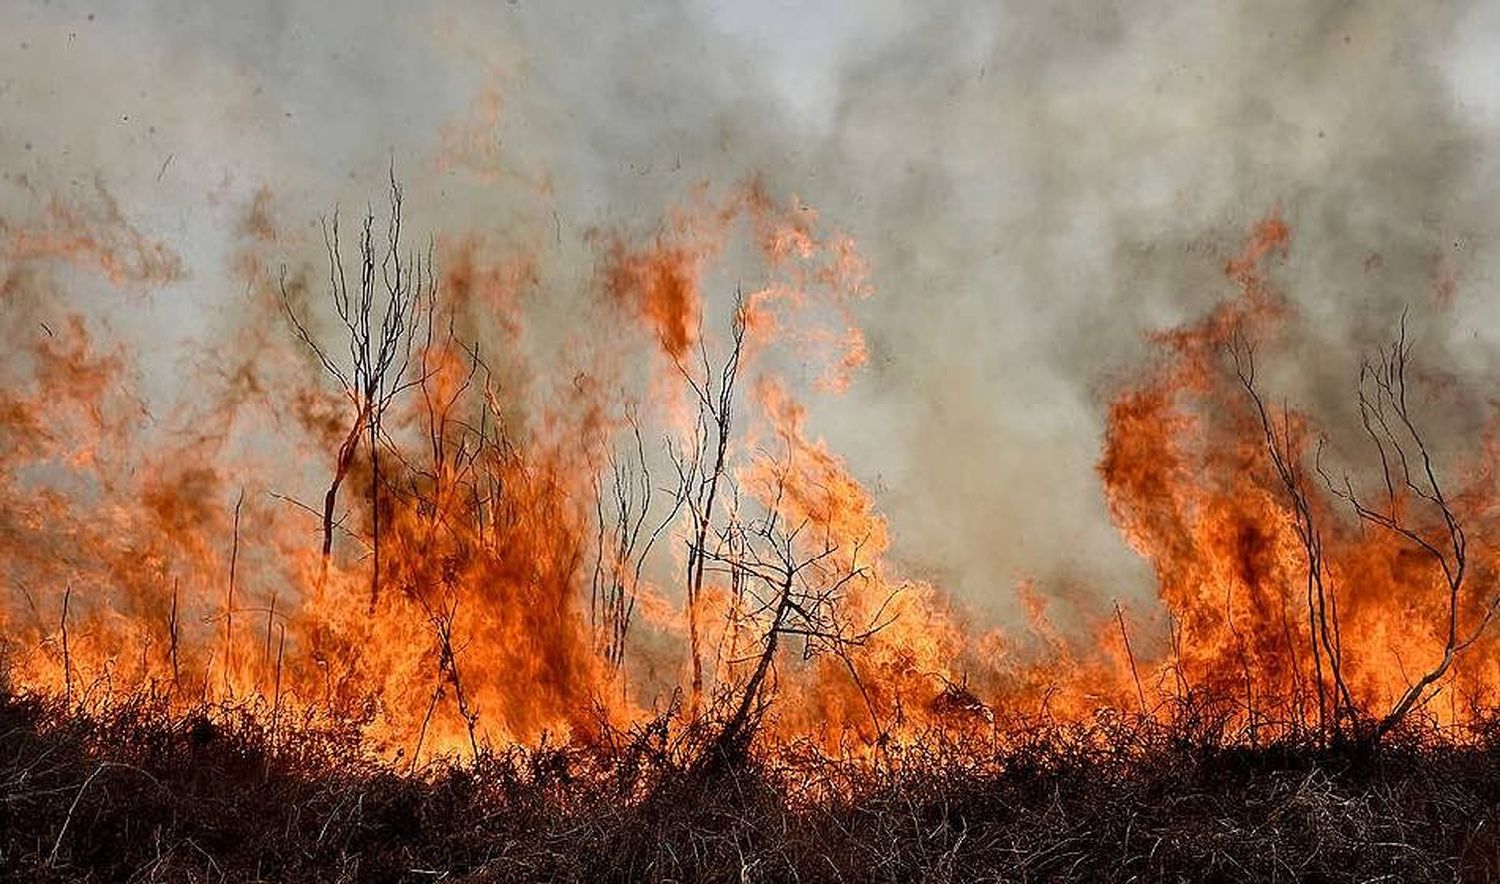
(137, 795)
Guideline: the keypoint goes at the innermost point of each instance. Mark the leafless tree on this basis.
(1413, 506)
(1335, 705)
(623, 544)
(449, 495)
(382, 310)
(700, 467)
(789, 583)
(1409, 476)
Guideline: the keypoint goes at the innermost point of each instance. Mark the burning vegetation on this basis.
(389, 572)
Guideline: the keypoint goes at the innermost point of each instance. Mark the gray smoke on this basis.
(1036, 186)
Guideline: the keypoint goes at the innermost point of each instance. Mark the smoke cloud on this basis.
(1034, 186)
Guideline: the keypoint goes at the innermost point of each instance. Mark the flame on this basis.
(93, 234)
(187, 564)
(1191, 485)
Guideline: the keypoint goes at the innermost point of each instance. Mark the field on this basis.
(702, 441)
(134, 795)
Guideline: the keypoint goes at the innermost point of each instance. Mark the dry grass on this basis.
(131, 794)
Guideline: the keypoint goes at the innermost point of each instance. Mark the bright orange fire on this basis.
(575, 540)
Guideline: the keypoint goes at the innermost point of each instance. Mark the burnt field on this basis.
(137, 795)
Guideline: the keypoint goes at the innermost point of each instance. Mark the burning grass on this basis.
(527, 625)
(135, 793)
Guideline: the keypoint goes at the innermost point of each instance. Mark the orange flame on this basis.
(181, 565)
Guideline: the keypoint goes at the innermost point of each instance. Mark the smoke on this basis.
(1035, 186)
(1041, 184)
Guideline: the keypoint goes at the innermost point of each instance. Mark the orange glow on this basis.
(186, 566)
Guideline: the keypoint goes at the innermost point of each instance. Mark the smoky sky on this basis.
(1036, 186)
